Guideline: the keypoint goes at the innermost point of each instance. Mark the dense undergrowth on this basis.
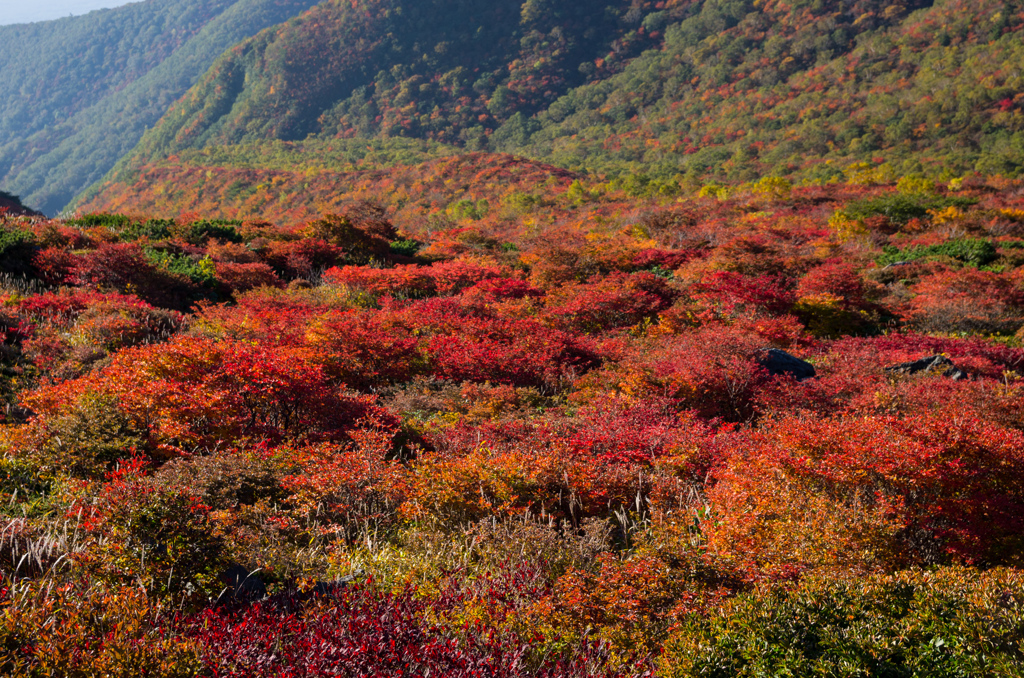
(533, 433)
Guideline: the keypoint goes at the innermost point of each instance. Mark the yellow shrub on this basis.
(773, 187)
(846, 227)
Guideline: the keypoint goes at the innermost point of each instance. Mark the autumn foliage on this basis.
(607, 443)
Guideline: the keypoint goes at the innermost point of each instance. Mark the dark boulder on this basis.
(778, 362)
(241, 584)
(324, 588)
(933, 364)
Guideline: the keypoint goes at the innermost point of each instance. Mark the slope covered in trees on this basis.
(677, 90)
(746, 89)
(437, 69)
(80, 92)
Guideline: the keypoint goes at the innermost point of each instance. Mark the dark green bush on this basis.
(200, 272)
(115, 222)
(154, 229)
(406, 248)
(200, 232)
(971, 251)
(16, 250)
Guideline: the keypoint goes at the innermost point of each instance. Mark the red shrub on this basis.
(503, 288)
(244, 277)
(840, 280)
(261, 316)
(731, 293)
(604, 457)
(89, 324)
(712, 370)
(873, 492)
(302, 258)
(967, 300)
(124, 267)
(404, 281)
(56, 266)
(408, 281)
(668, 260)
(362, 349)
(194, 393)
(618, 300)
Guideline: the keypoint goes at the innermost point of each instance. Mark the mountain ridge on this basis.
(64, 144)
(689, 92)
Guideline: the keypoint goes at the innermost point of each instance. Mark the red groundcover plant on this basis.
(356, 631)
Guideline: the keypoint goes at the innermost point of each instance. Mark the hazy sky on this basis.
(24, 11)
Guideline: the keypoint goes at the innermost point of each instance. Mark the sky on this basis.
(24, 11)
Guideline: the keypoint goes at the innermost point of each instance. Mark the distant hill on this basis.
(679, 92)
(806, 88)
(412, 80)
(447, 70)
(80, 91)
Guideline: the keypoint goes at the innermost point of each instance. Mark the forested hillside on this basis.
(435, 69)
(679, 91)
(745, 89)
(79, 92)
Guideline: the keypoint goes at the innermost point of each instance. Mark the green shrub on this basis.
(971, 251)
(200, 232)
(406, 248)
(947, 622)
(468, 210)
(115, 222)
(200, 271)
(86, 441)
(901, 207)
(154, 229)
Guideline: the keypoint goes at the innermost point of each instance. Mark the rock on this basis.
(241, 584)
(931, 364)
(323, 588)
(779, 362)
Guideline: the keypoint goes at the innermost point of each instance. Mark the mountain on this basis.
(683, 92)
(81, 91)
(439, 69)
(11, 205)
(438, 75)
